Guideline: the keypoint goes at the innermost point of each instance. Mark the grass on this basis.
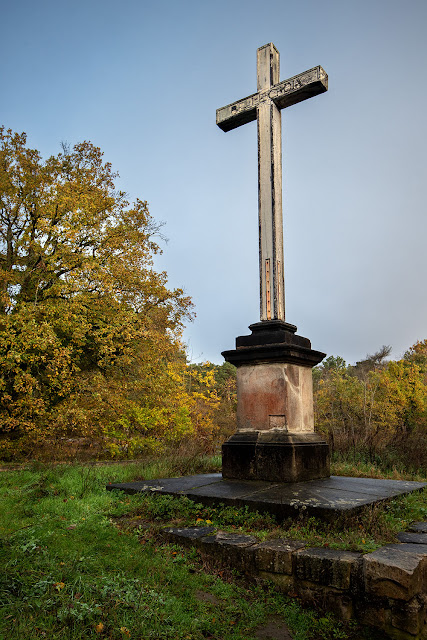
(363, 468)
(69, 571)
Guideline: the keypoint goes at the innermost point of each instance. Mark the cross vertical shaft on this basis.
(270, 188)
(264, 106)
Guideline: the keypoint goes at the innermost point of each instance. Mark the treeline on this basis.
(376, 409)
(91, 352)
(91, 346)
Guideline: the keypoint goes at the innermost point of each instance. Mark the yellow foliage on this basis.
(88, 330)
(373, 407)
(90, 333)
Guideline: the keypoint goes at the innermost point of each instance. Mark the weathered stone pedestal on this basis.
(275, 437)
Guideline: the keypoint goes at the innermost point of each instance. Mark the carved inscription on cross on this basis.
(264, 106)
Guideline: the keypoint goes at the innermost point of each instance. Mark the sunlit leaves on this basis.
(375, 404)
(88, 329)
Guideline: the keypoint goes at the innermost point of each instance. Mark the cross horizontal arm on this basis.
(237, 113)
(299, 88)
(284, 94)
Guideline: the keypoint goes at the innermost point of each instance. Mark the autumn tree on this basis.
(418, 355)
(89, 330)
(376, 407)
(211, 389)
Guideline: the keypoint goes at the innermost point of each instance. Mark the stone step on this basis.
(386, 588)
(414, 538)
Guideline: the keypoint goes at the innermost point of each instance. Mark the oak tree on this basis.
(88, 328)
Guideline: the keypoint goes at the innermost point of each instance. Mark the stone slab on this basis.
(328, 567)
(413, 538)
(372, 486)
(275, 556)
(187, 536)
(396, 571)
(325, 498)
(232, 489)
(169, 485)
(418, 527)
(234, 550)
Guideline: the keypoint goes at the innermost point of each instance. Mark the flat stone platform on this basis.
(326, 498)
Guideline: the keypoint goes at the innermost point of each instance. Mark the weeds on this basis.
(361, 467)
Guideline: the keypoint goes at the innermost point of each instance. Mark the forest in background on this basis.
(92, 362)
(375, 410)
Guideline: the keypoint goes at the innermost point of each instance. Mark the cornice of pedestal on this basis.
(273, 341)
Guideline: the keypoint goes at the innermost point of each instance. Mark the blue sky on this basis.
(142, 80)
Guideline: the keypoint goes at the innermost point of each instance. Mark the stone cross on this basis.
(264, 107)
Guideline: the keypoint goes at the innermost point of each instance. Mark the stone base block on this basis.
(275, 457)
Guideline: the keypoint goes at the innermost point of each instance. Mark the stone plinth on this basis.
(275, 395)
(275, 437)
(275, 456)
